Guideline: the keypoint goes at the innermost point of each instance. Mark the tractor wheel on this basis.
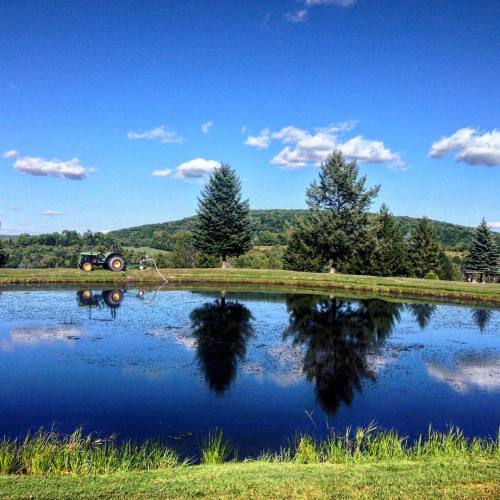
(116, 263)
(113, 298)
(87, 267)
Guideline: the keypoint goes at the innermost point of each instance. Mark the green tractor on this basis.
(114, 261)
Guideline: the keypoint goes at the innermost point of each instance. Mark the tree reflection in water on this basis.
(221, 329)
(422, 313)
(481, 317)
(338, 336)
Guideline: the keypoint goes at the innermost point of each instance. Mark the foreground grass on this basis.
(388, 479)
(362, 464)
(405, 287)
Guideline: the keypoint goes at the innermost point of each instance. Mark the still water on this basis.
(173, 364)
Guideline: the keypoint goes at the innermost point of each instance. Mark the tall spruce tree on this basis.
(425, 249)
(335, 231)
(483, 252)
(389, 256)
(224, 227)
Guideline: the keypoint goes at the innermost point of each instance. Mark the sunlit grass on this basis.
(50, 453)
(215, 448)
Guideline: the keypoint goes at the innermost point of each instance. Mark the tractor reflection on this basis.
(99, 300)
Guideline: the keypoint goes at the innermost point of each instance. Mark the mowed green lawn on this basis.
(258, 277)
(427, 479)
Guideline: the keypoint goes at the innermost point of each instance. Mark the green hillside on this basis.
(272, 230)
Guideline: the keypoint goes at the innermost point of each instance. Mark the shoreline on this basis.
(320, 282)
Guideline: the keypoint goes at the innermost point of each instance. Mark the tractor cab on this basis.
(114, 261)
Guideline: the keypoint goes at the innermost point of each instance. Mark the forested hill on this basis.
(272, 230)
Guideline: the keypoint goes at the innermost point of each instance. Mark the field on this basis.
(402, 287)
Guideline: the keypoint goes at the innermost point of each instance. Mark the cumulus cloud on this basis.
(161, 134)
(260, 141)
(162, 173)
(52, 213)
(494, 225)
(197, 168)
(304, 147)
(32, 165)
(205, 127)
(470, 146)
(11, 153)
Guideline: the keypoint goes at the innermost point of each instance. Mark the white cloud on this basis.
(162, 173)
(339, 3)
(244, 130)
(197, 168)
(299, 16)
(482, 373)
(52, 213)
(11, 153)
(161, 133)
(260, 141)
(32, 165)
(470, 146)
(303, 147)
(494, 225)
(205, 127)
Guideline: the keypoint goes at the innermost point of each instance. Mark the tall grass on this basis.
(46, 453)
(216, 449)
(49, 453)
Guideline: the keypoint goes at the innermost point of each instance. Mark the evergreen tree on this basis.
(4, 255)
(425, 249)
(389, 255)
(335, 232)
(483, 252)
(224, 227)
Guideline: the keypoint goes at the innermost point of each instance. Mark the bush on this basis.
(431, 275)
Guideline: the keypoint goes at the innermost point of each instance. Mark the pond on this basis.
(173, 364)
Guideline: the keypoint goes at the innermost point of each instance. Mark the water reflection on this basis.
(339, 335)
(221, 329)
(422, 313)
(482, 372)
(482, 317)
(95, 300)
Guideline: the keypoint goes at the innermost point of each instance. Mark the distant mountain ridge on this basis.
(272, 226)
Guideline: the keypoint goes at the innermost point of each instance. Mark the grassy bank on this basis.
(431, 479)
(363, 464)
(404, 287)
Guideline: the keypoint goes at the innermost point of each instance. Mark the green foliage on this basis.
(260, 258)
(431, 275)
(4, 255)
(183, 251)
(224, 226)
(216, 449)
(336, 228)
(425, 249)
(389, 254)
(304, 251)
(47, 453)
(483, 252)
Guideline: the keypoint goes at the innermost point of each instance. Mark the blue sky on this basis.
(95, 97)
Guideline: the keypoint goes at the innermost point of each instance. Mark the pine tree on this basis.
(389, 255)
(4, 255)
(483, 253)
(224, 227)
(335, 232)
(425, 249)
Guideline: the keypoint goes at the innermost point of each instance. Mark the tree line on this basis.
(337, 233)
